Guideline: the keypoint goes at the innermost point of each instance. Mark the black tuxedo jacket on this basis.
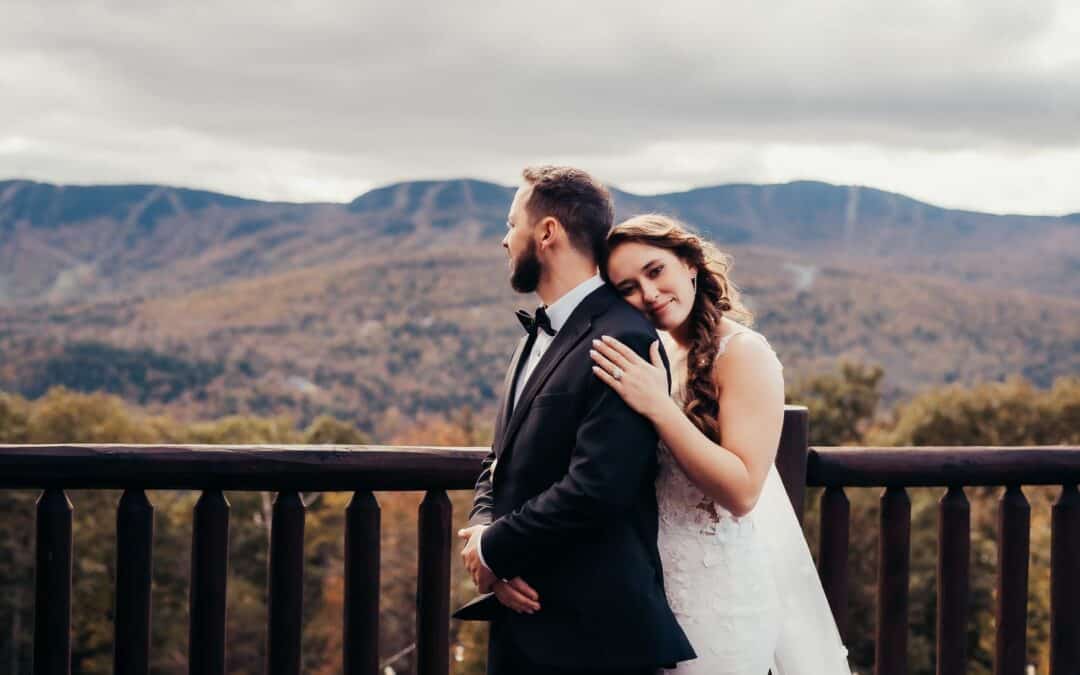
(568, 491)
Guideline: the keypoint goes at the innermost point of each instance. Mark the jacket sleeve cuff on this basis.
(480, 551)
(480, 518)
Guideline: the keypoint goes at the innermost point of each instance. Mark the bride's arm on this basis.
(751, 415)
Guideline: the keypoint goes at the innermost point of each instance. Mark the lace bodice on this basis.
(681, 504)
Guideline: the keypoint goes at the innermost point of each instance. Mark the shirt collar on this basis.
(560, 310)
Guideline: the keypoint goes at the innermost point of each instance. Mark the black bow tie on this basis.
(531, 323)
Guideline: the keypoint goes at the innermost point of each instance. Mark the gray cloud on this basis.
(398, 90)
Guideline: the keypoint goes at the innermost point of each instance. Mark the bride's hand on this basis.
(643, 385)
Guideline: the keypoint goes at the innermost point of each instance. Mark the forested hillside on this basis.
(405, 333)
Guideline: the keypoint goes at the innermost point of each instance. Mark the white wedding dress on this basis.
(744, 590)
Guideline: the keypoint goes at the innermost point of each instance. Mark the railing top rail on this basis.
(240, 467)
(929, 466)
(369, 467)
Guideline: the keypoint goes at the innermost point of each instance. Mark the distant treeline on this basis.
(140, 375)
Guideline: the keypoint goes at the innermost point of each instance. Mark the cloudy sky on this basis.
(964, 103)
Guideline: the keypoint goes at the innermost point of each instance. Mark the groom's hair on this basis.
(578, 201)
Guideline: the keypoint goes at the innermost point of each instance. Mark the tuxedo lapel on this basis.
(577, 326)
(508, 392)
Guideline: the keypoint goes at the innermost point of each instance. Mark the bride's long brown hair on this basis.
(716, 296)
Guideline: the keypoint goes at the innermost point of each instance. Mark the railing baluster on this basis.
(894, 556)
(1014, 521)
(209, 571)
(833, 553)
(1065, 583)
(954, 558)
(52, 608)
(286, 585)
(433, 586)
(361, 639)
(134, 561)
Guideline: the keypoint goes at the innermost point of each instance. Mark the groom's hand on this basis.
(517, 595)
(483, 577)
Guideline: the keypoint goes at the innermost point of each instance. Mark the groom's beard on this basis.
(525, 276)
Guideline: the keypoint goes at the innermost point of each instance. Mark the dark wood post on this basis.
(362, 523)
(285, 606)
(954, 559)
(1014, 532)
(209, 573)
(894, 560)
(833, 553)
(1065, 583)
(433, 586)
(52, 600)
(134, 562)
(791, 455)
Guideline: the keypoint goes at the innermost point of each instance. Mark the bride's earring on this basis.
(693, 282)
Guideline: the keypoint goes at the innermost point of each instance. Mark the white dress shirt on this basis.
(558, 312)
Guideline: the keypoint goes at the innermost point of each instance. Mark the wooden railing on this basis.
(897, 469)
(287, 470)
(290, 470)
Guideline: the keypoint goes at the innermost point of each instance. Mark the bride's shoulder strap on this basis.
(739, 331)
(724, 340)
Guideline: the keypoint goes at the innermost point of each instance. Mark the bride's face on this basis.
(655, 281)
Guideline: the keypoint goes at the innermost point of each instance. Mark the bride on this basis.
(737, 571)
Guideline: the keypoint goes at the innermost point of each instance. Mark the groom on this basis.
(564, 522)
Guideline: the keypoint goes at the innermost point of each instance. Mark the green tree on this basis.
(14, 415)
(841, 404)
(16, 549)
(62, 416)
(327, 430)
(996, 413)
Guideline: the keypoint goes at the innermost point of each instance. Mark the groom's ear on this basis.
(547, 231)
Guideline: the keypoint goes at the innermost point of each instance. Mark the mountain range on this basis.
(61, 243)
(202, 304)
